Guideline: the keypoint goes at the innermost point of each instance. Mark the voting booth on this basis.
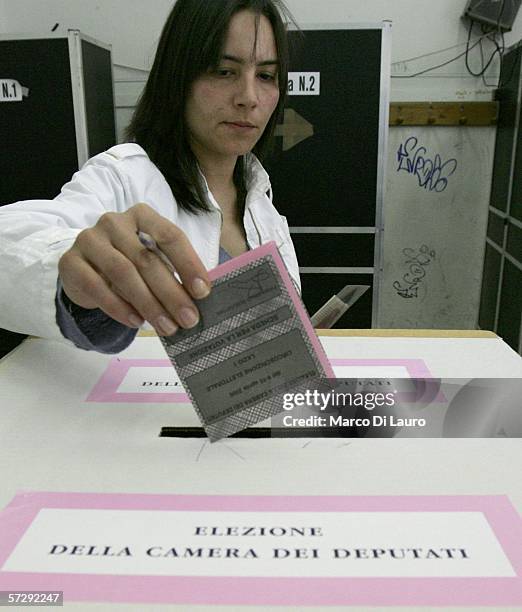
(501, 297)
(56, 111)
(328, 166)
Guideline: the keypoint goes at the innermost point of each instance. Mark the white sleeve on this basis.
(33, 236)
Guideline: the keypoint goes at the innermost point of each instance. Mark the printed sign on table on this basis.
(263, 550)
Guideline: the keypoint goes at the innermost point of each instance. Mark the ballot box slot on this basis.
(263, 432)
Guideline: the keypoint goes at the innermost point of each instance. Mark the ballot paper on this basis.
(253, 344)
(328, 315)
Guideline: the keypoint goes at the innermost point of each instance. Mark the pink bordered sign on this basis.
(264, 550)
(160, 386)
(155, 380)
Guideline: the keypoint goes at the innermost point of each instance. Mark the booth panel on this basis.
(329, 177)
(99, 97)
(507, 130)
(510, 305)
(516, 195)
(38, 153)
(330, 145)
(514, 242)
(347, 250)
(496, 229)
(488, 303)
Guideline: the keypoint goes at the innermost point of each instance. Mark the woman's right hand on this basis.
(108, 268)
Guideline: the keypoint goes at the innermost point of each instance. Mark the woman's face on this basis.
(228, 108)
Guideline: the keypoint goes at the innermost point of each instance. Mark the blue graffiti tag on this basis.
(431, 174)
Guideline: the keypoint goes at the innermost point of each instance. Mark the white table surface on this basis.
(52, 440)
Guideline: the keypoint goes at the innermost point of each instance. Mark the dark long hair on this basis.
(192, 42)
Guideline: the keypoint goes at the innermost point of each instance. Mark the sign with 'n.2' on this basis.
(304, 83)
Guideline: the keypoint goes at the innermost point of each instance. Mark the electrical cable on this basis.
(410, 76)
(501, 50)
(482, 64)
(416, 57)
(492, 57)
(498, 48)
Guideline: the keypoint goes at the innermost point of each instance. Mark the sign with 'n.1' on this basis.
(304, 83)
(11, 91)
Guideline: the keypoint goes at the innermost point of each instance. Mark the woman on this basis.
(75, 267)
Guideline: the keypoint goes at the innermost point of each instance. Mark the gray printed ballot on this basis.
(253, 344)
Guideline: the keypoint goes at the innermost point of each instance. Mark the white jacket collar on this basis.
(257, 177)
(258, 181)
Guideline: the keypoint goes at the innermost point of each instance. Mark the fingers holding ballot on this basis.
(109, 268)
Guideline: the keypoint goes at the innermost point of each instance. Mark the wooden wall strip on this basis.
(443, 113)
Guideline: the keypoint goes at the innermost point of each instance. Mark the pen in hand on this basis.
(187, 315)
(149, 243)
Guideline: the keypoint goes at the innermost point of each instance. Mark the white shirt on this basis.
(34, 234)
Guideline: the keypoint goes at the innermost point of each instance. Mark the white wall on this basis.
(3, 16)
(419, 27)
(133, 27)
(440, 289)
